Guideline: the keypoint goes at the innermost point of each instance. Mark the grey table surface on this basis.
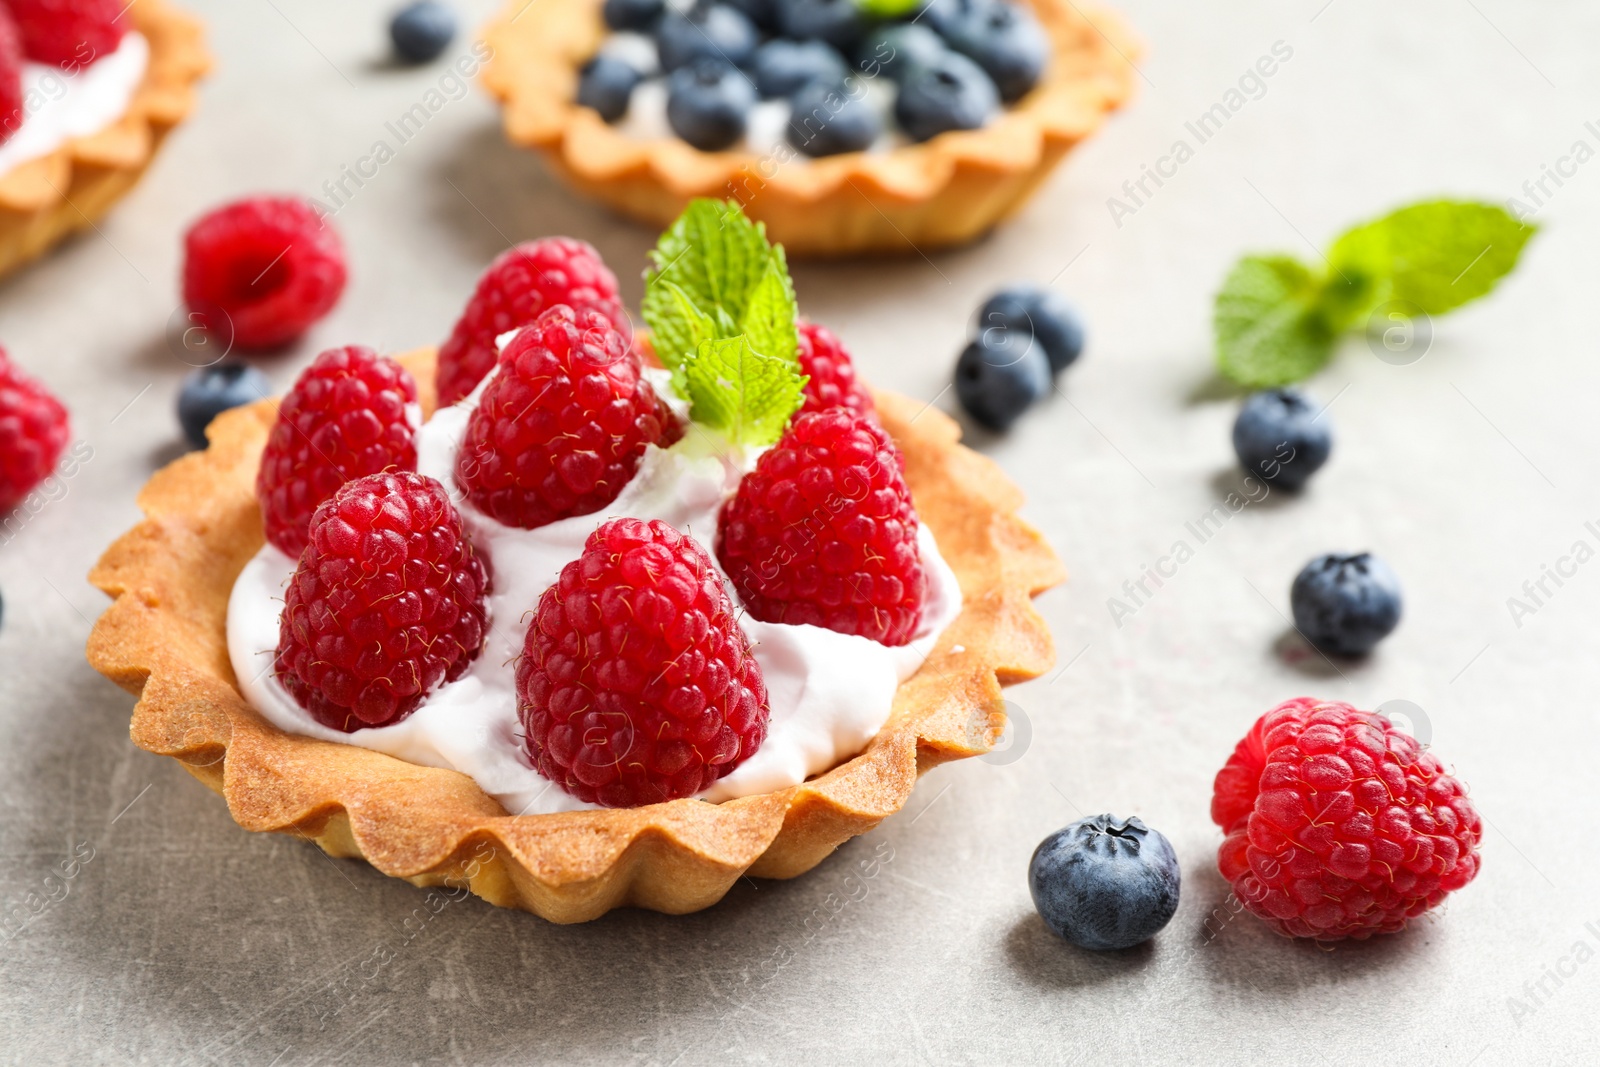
(183, 939)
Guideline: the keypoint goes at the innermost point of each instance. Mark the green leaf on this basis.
(889, 9)
(1437, 255)
(684, 325)
(745, 394)
(769, 317)
(1268, 324)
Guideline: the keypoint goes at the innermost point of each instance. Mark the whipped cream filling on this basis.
(58, 105)
(830, 693)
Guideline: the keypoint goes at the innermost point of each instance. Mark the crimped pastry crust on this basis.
(45, 199)
(944, 192)
(164, 639)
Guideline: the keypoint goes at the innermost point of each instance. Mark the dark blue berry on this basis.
(1000, 377)
(839, 22)
(1007, 42)
(941, 16)
(764, 13)
(708, 104)
(1105, 883)
(714, 31)
(422, 30)
(1344, 605)
(830, 119)
(1045, 315)
(895, 50)
(637, 15)
(606, 84)
(950, 93)
(1280, 438)
(782, 67)
(209, 391)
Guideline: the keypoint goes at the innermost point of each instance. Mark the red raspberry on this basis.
(70, 33)
(519, 286)
(33, 432)
(1339, 825)
(823, 531)
(345, 417)
(269, 266)
(11, 98)
(636, 684)
(386, 604)
(831, 372)
(562, 427)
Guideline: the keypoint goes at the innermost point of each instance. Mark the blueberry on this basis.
(1042, 314)
(1007, 42)
(716, 31)
(1105, 883)
(763, 13)
(1344, 605)
(951, 93)
(605, 84)
(782, 67)
(828, 119)
(941, 16)
(209, 391)
(640, 15)
(422, 30)
(839, 22)
(709, 104)
(895, 50)
(1279, 437)
(1000, 377)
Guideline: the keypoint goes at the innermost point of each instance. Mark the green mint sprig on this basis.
(721, 309)
(888, 9)
(1278, 320)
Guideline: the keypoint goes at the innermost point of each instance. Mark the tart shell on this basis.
(946, 191)
(45, 199)
(164, 639)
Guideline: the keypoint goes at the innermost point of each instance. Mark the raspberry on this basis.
(831, 372)
(33, 432)
(823, 531)
(11, 98)
(386, 604)
(636, 684)
(69, 33)
(269, 266)
(1339, 825)
(519, 286)
(345, 417)
(562, 427)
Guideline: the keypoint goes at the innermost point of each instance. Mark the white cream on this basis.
(829, 693)
(59, 106)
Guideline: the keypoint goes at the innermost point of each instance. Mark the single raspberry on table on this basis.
(345, 417)
(12, 101)
(830, 372)
(33, 432)
(823, 531)
(70, 33)
(386, 604)
(562, 427)
(519, 286)
(1339, 825)
(636, 684)
(264, 268)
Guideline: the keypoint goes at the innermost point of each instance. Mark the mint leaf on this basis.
(769, 317)
(889, 9)
(1437, 255)
(680, 324)
(733, 388)
(1268, 323)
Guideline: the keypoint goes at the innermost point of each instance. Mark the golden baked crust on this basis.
(44, 199)
(164, 639)
(944, 192)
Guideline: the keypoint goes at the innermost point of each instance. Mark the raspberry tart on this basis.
(846, 126)
(88, 92)
(631, 618)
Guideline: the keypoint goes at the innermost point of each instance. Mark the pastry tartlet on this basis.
(45, 198)
(945, 191)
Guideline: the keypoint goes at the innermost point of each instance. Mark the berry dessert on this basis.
(33, 433)
(88, 91)
(1282, 437)
(845, 126)
(1344, 605)
(1105, 883)
(1339, 825)
(575, 625)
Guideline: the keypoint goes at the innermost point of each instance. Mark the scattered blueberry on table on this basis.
(1044, 314)
(1105, 883)
(1281, 437)
(422, 31)
(1345, 604)
(209, 391)
(1024, 336)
